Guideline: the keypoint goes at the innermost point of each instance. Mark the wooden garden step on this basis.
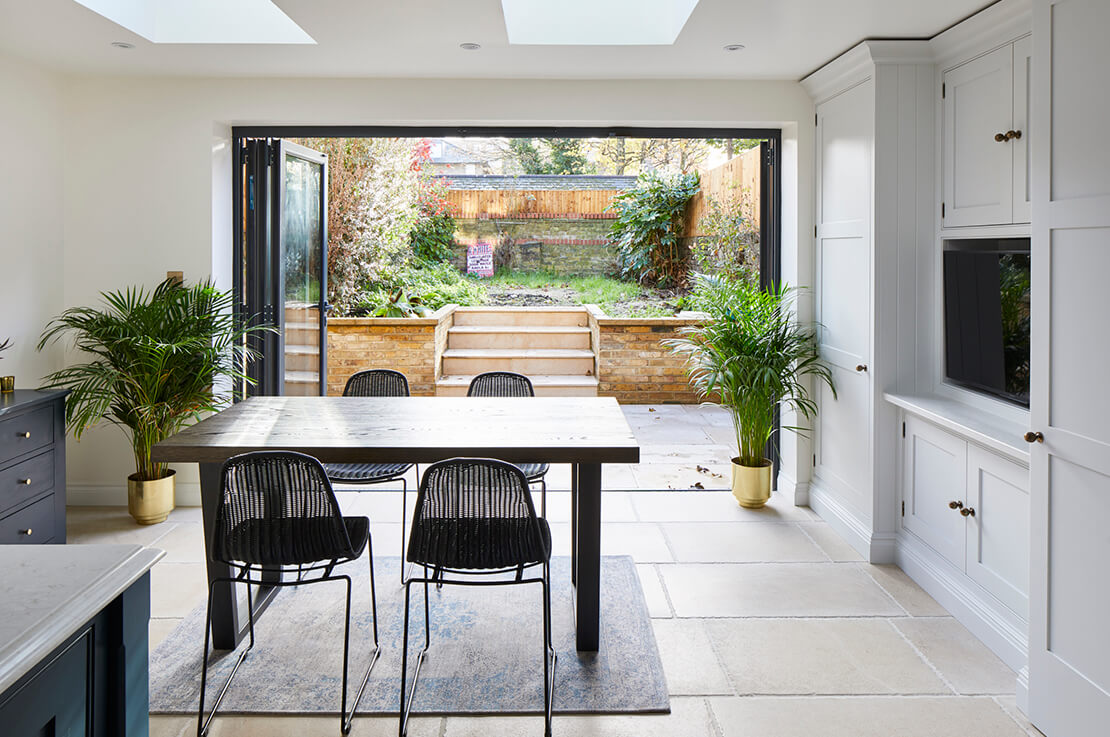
(540, 316)
(518, 336)
(527, 361)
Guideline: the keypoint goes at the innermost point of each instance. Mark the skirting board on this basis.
(989, 620)
(874, 547)
(798, 490)
(186, 494)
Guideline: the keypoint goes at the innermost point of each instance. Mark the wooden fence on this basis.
(499, 203)
(737, 177)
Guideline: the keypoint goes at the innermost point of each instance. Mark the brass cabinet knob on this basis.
(1011, 135)
(25, 482)
(23, 434)
(1034, 437)
(955, 505)
(968, 512)
(27, 532)
(861, 367)
(1000, 137)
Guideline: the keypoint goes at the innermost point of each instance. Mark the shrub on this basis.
(646, 230)
(730, 246)
(433, 233)
(433, 284)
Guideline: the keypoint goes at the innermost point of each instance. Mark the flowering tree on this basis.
(374, 189)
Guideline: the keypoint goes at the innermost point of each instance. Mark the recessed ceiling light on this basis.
(734, 47)
(123, 45)
(469, 46)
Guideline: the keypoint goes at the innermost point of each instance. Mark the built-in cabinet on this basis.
(985, 138)
(971, 506)
(32, 467)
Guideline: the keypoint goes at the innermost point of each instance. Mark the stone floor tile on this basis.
(709, 414)
(689, 717)
(616, 506)
(110, 526)
(657, 429)
(184, 543)
(231, 725)
(868, 716)
(703, 453)
(712, 506)
(159, 629)
(177, 588)
(775, 590)
(689, 661)
(905, 591)
(681, 476)
(832, 544)
(735, 542)
(643, 541)
(1009, 704)
(654, 594)
(820, 656)
(962, 659)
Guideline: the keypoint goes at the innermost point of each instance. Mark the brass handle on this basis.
(27, 532)
(23, 434)
(1010, 135)
(1034, 437)
(969, 512)
(1000, 137)
(955, 505)
(25, 482)
(861, 367)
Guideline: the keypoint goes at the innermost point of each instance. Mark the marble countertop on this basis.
(48, 591)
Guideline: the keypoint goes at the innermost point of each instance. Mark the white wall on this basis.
(147, 165)
(31, 207)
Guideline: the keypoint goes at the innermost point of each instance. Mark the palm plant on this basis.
(156, 359)
(751, 356)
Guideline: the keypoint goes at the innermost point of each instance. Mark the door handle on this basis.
(1011, 135)
(968, 512)
(1000, 137)
(1034, 437)
(861, 367)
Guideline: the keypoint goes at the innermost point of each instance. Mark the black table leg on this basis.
(587, 562)
(574, 523)
(227, 629)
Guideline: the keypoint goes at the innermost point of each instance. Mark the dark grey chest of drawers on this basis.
(32, 467)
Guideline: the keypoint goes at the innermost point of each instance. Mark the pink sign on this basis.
(479, 259)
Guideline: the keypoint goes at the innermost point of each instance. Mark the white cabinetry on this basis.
(985, 138)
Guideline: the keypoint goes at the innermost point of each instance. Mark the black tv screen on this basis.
(986, 317)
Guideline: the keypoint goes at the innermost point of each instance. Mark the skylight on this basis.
(203, 21)
(596, 22)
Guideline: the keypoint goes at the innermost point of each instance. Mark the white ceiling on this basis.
(785, 39)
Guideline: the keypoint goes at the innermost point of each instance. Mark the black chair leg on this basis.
(406, 704)
(348, 717)
(406, 570)
(204, 725)
(550, 659)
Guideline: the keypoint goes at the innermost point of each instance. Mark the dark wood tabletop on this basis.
(412, 429)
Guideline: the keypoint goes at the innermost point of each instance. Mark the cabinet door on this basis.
(934, 474)
(998, 533)
(1023, 60)
(978, 170)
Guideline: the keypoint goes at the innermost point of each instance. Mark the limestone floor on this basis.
(768, 624)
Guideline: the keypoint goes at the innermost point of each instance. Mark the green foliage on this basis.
(751, 356)
(5, 345)
(1014, 283)
(647, 228)
(433, 284)
(400, 304)
(156, 358)
(550, 155)
(433, 236)
(731, 245)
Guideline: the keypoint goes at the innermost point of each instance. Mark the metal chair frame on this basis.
(438, 577)
(273, 575)
(348, 391)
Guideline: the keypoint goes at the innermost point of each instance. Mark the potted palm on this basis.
(749, 357)
(155, 360)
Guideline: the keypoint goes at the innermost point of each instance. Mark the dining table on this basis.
(585, 432)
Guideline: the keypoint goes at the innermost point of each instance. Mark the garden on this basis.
(402, 218)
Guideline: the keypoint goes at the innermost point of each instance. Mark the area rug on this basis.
(485, 654)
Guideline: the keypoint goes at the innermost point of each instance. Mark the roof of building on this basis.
(569, 182)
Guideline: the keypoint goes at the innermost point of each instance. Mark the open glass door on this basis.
(283, 264)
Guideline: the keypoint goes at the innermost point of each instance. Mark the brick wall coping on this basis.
(682, 319)
(436, 318)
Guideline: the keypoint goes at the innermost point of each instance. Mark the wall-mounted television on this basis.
(986, 316)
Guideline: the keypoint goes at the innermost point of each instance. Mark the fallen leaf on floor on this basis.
(697, 485)
(702, 469)
(651, 409)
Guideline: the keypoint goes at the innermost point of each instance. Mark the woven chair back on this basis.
(500, 384)
(377, 383)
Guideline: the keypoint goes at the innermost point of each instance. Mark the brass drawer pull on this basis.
(955, 505)
(26, 532)
(1000, 137)
(1034, 437)
(969, 512)
(25, 482)
(24, 435)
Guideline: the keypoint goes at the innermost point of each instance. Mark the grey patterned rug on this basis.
(485, 655)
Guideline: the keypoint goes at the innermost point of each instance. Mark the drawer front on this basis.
(31, 525)
(26, 480)
(26, 432)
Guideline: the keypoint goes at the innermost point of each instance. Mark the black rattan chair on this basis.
(278, 516)
(376, 383)
(509, 384)
(475, 522)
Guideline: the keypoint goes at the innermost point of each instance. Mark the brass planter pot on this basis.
(150, 502)
(751, 485)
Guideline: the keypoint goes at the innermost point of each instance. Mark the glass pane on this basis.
(302, 249)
